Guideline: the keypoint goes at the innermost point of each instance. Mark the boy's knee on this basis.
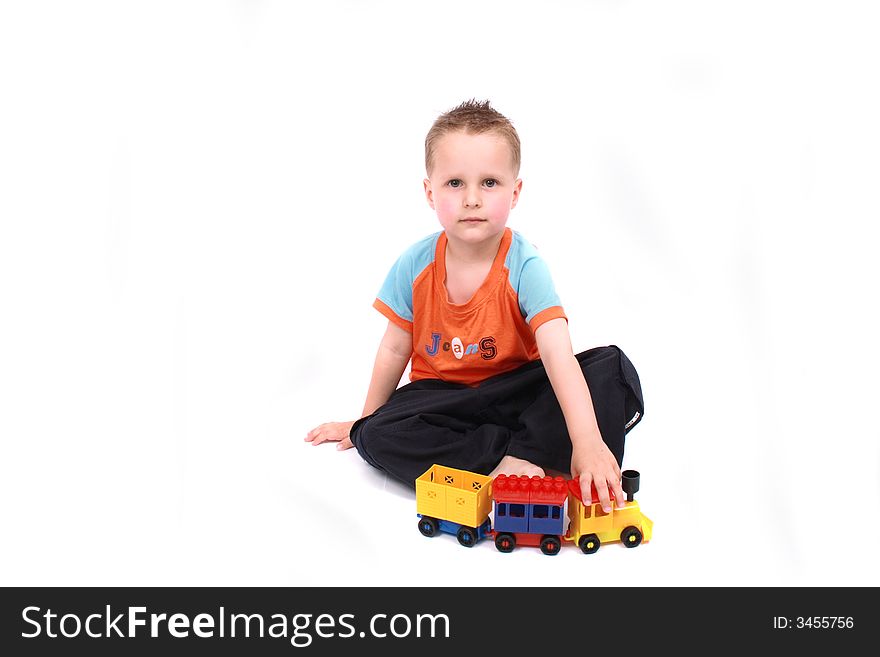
(382, 449)
(360, 436)
(368, 437)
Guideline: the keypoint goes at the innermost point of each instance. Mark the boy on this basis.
(495, 387)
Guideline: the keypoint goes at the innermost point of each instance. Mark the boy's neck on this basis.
(473, 254)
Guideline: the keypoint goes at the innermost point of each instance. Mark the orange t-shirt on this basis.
(493, 332)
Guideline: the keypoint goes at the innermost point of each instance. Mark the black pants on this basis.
(516, 413)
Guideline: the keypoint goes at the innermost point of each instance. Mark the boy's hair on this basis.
(473, 117)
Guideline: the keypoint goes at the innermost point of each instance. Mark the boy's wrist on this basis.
(585, 437)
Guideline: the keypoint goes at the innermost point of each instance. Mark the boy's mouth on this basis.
(473, 220)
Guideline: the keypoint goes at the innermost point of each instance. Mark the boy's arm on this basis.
(394, 353)
(590, 457)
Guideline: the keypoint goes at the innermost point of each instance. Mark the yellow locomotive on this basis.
(589, 525)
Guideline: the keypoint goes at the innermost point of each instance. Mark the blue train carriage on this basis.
(529, 511)
(454, 502)
(589, 526)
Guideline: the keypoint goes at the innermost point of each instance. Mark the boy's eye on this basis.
(491, 182)
(454, 183)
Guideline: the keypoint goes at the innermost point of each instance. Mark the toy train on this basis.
(528, 511)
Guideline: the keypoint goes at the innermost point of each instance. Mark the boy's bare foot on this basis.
(510, 465)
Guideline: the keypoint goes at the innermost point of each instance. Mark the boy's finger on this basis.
(618, 494)
(604, 499)
(586, 493)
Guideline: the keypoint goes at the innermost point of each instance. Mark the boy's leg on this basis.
(428, 422)
(530, 407)
(514, 414)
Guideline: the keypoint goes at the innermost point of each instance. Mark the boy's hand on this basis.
(332, 431)
(594, 463)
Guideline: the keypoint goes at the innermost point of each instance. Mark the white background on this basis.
(199, 201)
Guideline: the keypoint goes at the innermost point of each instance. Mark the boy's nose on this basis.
(472, 201)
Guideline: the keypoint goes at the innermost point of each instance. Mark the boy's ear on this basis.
(517, 188)
(428, 193)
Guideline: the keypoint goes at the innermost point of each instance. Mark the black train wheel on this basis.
(631, 536)
(550, 545)
(467, 536)
(428, 526)
(505, 542)
(589, 543)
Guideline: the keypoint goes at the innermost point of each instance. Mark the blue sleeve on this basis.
(536, 292)
(396, 292)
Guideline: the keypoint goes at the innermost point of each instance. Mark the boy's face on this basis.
(472, 186)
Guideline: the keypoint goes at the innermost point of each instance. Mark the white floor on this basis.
(250, 503)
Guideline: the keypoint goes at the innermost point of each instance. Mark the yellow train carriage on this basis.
(590, 526)
(454, 501)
